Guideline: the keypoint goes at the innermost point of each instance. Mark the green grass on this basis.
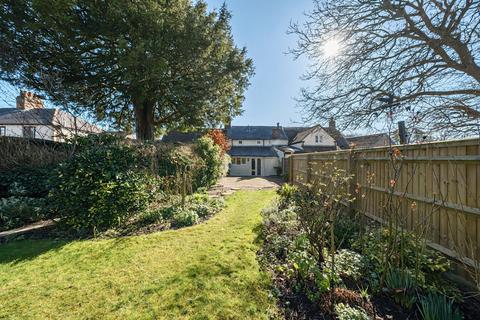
(208, 271)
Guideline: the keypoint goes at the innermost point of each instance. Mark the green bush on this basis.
(213, 163)
(31, 182)
(102, 185)
(184, 218)
(345, 312)
(287, 194)
(19, 211)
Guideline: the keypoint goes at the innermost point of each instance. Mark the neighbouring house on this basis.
(370, 141)
(30, 119)
(181, 137)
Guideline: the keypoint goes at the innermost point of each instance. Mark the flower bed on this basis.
(326, 263)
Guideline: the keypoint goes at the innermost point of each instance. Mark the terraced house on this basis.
(261, 150)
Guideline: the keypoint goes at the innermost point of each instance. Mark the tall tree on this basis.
(422, 55)
(148, 64)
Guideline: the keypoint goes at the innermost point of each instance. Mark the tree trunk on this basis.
(144, 121)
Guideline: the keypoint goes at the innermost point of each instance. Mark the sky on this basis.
(261, 26)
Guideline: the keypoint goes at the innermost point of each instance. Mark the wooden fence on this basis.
(437, 191)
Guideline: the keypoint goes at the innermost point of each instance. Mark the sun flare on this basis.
(331, 48)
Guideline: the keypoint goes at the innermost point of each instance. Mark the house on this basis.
(370, 141)
(260, 150)
(30, 119)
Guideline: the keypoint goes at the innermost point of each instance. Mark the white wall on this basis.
(42, 131)
(325, 138)
(263, 143)
(267, 167)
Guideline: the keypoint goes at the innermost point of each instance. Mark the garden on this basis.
(104, 185)
(328, 262)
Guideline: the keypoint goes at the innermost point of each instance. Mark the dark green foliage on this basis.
(154, 63)
(438, 307)
(100, 186)
(26, 181)
(19, 211)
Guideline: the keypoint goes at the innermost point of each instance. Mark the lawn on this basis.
(208, 271)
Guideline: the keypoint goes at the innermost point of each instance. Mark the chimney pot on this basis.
(28, 100)
(331, 123)
(278, 125)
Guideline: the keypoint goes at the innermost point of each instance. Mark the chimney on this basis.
(331, 124)
(278, 125)
(29, 100)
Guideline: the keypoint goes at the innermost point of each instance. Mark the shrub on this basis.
(31, 182)
(184, 218)
(213, 165)
(100, 186)
(287, 194)
(19, 211)
(345, 312)
(438, 307)
(348, 264)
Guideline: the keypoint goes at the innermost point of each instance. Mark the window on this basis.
(244, 161)
(259, 142)
(29, 132)
(240, 141)
(318, 139)
(3, 131)
(239, 161)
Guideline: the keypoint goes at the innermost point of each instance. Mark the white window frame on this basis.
(3, 131)
(240, 142)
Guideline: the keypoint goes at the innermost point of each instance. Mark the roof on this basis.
(298, 134)
(45, 116)
(252, 152)
(370, 141)
(181, 137)
(256, 133)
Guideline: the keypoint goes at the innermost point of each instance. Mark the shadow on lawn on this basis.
(25, 250)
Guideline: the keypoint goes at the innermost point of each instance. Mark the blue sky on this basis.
(261, 26)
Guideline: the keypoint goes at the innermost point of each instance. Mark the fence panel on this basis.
(436, 191)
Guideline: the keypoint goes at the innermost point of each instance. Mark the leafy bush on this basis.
(438, 307)
(100, 186)
(213, 165)
(348, 264)
(345, 312)
(184, 218)
(33, 182)
(19, 211)
(287, 194)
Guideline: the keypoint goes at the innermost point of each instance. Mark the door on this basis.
(259, 167)
(253, 167)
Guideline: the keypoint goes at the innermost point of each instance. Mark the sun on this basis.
(331, 48)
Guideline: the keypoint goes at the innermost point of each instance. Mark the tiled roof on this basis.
(44, 116)
(298, 134)
(252, 152)
(256, 132)
(370, 141)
